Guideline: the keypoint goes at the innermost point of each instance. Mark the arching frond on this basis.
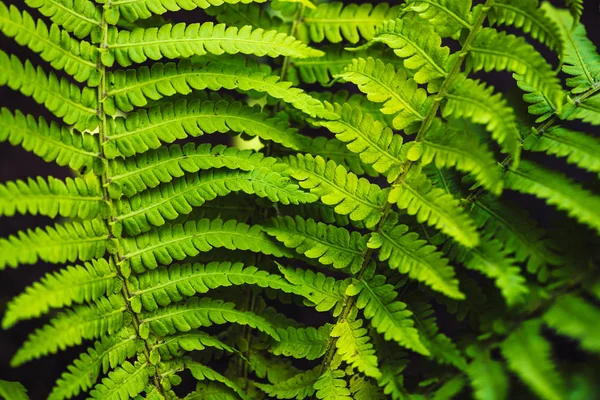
(177, 344)
(576, 9)
(70, 328)
(76, 58)
(182, 41)
(59, 243)
(195, 313)
(336, 21)
(51, 142)
(202, 372)
(125, 381)
(447, 16)
(65, 100)
(309, 343)
(149, 128)
(558, 191)
(77, 16)
(298, 387)
(383, 84)
(330, 244)
(353, 347)
(403, 250)
(488, 377)
(353, 196)
(163, 245)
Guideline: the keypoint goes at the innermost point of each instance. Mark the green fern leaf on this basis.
(182, 41)
(354, 348)
(580, 58)
(362, 389)
(331, 245)
(202, 372)
(176, 345)
(528, 355)
(332, 385)
(388, 316)
(74, 284)
(475, 101)
(309, 343)
(124, 382)
(375, 143)
(140, 213)
(51, 142)
(162, 286)
(13, 391)
(434, 206)
(177, 242)
(65, 100)
(383, 84)
(540, 104)
(71, 198)
(353, 196)
(298, 387)
(149, 170)
(576, 9)
(448, 147)
(447, 16)
(336, 21)
(211, 391)
(77, 16)
(148, 129)
(403, 250)
(56, 244)
(529, 17)
(321, 292)
(488, 377)
(572, 316)
(247, 14)
(578, 148)
(558, 191)
(195, 313)
(70, 328)
(56, 47)
(129, 89)
(106, 354)
(587, 110)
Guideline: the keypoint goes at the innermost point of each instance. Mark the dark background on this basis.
(15, 163)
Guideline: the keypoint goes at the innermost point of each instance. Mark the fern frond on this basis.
(419, 46)
(176, 242)
(129, 89)
(487, 376)
(540, 105)
(580, 58)
(354, 348)
(558, 191)
(196, 312)
(375, 143)
(77, 16)
(125, 381)
(363, 389)
(574, 317)
(353, 196)
(155, 207)
(388, 316)
(132, 10)
(211, 391)
(587, 110)
(336, 21)
(433, 206)
(462, 150)
(202, 372)
(70, 328)
(403, 250)
(176, 345)
(475, 101)
(65, 100)
(71, 198)
(241, 14)
(529, 17)
(165, 123)
(74, 284)
(298, 387)
(578, 148)
(106, 354)
(322, 292)
(184, 40)
(51, 142)
(163, 286)
(56, 47)
(528, 355)
(149, 170)
(575, 9)
(330, 244)
(447, 16)
(13, 391)
(59, 243)
(332, 385)
(309, 343)
(493, 50)
(383, 84)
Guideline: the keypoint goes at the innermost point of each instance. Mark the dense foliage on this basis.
(403, 230)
